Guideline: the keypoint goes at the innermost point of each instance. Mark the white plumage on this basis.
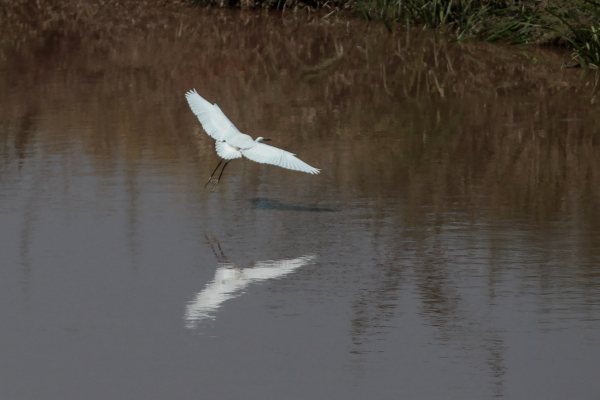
(232, 144)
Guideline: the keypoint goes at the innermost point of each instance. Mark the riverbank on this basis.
(574, 23)
(564, 23)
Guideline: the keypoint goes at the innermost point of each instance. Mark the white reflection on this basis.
(230, 280)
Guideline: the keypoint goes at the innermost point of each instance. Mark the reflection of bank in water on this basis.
(230, 280)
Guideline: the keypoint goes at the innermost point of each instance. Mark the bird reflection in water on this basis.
(230, 280)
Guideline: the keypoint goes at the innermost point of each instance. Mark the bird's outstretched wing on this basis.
(213, 120)
(265, 154)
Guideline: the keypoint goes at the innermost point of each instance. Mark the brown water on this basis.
(449, 249)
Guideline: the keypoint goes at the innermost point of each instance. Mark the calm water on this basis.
(450, 248)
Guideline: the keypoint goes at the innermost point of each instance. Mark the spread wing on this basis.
(213, 120)
(265, 154)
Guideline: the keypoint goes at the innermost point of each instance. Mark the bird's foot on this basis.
(215, 185)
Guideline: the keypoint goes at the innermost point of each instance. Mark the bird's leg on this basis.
(211, 175)
(219, 178)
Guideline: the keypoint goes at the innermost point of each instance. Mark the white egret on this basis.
(232, 144)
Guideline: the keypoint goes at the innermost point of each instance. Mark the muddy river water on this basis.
(449, 248)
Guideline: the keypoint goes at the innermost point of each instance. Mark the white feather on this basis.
(226, 151)
(231, 143)
(213, 120)
(265, 154)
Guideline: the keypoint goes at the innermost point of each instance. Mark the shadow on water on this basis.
(261, 203)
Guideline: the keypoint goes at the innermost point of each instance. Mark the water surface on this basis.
(448, 249)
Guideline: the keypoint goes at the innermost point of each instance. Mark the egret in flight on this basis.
(232, 144)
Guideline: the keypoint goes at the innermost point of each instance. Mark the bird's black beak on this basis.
(266, 140)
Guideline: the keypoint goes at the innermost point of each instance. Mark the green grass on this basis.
(574, 23)
(581, 34)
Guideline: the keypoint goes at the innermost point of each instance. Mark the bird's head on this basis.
(261, 139)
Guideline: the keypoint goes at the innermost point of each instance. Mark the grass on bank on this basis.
(572, 22)
(575, 23)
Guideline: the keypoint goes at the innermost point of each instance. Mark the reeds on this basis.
(571, 22)
(515, 22)
(582, 35)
